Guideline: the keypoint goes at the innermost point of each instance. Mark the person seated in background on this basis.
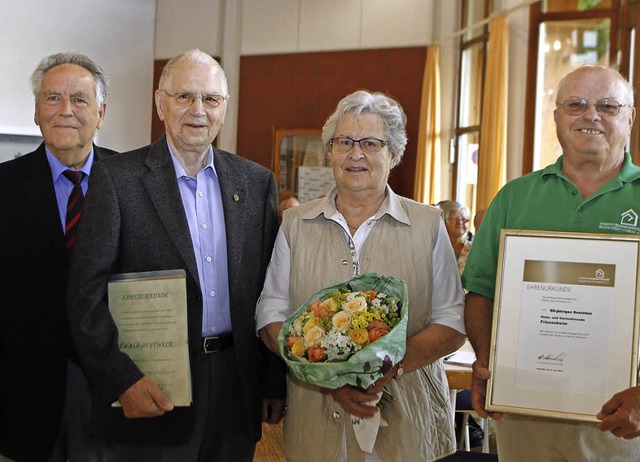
(285, 204)
(456, 220)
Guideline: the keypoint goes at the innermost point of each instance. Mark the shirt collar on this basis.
(58, 167)
(390, 206)
(180, 170)
(628, 173)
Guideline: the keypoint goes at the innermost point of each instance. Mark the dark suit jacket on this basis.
(134, 209)
(34, 333)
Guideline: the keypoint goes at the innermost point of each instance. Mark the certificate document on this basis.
(150, 311)
(565, 323)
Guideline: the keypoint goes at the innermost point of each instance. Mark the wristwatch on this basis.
(400, 369)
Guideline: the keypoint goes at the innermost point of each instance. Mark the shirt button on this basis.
(212, 293)
(336, 415)
(204, 226)
(209, 259)
(574, 193)
(200, 193)
(345, 262)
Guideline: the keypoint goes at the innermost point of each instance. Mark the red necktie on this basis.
(74, 207)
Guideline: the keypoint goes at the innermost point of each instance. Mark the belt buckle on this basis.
(216, 346)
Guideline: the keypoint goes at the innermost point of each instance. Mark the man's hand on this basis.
(621, 414)
(479, 379)
(353, 400)
(273, 410)
(144, 399)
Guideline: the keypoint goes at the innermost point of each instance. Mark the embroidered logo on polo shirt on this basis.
(628, 224)
(630, 217)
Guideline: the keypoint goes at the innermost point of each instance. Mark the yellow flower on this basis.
(309, 324)
(355, 304)
(313, 336)
(298, 348)
(341, 320)
(359, 336)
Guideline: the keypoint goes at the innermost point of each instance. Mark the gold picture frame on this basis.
(565, 323)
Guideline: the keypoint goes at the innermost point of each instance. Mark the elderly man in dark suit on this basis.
(181, 204)
(36, 364)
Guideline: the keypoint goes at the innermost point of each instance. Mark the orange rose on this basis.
(376, 333)
(316, 354)
(370, 293)
(377, 324)
(291, 341)
(324, 309)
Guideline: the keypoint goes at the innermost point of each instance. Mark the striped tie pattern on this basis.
(74, 207)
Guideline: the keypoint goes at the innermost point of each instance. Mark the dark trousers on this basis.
(220, 433)
(75, 444)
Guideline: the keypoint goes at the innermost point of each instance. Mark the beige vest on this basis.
(419, 417)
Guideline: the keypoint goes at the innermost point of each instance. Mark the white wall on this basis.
(286, 26)
(118, 34)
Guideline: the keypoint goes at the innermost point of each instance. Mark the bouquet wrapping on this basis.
(350, 333)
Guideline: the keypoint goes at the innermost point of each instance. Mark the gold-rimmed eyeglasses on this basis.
(578, 106)
(186, 99)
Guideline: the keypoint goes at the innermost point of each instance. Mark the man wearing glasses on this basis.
(181, 204)
(590, 186)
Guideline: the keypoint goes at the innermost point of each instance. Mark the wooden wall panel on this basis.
(301, 90)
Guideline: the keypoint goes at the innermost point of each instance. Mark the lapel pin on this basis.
(236, 197)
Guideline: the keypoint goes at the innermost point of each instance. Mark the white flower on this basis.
(355, 304)
(341, 321)
(297, 325)
(338, 345)
(313, 336)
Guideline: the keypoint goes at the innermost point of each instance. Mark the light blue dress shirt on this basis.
(202, 202)
(63, 185)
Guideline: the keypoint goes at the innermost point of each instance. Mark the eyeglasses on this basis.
(344, 144)
(578, 106)
(186, 99)
(458, 220)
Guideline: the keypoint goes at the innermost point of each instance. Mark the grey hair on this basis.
(193, 56)
(392, 114)
(58, 59)
(448, 207)
(627, 85)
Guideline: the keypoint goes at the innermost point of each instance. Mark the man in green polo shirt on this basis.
(593, 187)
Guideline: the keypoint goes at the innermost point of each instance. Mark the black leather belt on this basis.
(217, 343)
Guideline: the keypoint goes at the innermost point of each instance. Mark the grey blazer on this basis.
(134, 210)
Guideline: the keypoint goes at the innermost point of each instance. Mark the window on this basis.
(566, 34)
(473, 51)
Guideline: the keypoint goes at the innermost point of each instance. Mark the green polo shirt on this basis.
(547, 200)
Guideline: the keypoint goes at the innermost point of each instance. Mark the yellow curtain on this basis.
(493, 134)
(426, 187)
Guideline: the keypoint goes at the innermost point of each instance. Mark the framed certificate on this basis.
(565, 323)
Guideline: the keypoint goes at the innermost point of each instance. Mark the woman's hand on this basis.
(353, 400)
(269, 336)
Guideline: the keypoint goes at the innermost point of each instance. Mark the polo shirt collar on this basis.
(628, 173)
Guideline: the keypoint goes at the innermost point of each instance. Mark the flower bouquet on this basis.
(350, 333)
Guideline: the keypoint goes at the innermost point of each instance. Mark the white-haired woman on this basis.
(361, 226)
